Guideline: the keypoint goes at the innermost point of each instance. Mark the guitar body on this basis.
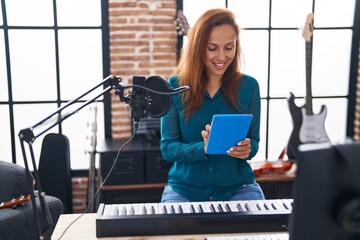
(313, 127)
(307, 126)
(296, 116)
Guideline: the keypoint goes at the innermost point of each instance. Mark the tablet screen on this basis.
(226, 131)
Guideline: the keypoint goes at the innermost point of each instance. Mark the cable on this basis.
(136, 124)
(174, 91)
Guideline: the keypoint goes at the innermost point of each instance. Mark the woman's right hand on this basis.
(205, 134)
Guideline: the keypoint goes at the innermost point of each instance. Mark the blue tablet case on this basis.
(226, 131)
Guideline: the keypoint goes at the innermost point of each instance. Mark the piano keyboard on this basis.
(139, 219)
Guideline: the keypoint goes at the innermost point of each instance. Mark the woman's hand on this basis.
(205, 135)
(242, 150)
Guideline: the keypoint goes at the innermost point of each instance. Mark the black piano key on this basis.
(227, 207)
(180, 209)
(201, 210)
(123, 211)
(212, 208)
(152, 210)
(247, 207)
(220, 208)
(144, 211)
(240, 208)
(266, 206)
(132, 210)
(192, 209)
(258, 206)
(285, 206)
(116, 211)
(172, 209)
(274, 206)
(165, 210)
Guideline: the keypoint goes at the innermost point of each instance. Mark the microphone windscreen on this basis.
(160, 103)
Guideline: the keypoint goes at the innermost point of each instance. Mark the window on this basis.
(50, 52)
(274, 53)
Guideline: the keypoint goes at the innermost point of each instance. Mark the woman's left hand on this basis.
(242, 150)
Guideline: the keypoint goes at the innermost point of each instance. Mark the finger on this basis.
(207, 127)
(246, 141)
(239, 151)
(238, 154)
(204, 134)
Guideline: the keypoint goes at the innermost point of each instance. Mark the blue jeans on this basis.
(246, 192)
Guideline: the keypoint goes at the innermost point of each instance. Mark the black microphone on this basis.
(151, 95)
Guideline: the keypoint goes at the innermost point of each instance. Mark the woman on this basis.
(210, 66)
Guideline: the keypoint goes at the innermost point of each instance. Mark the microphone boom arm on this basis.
(139, 100)
(44, 221)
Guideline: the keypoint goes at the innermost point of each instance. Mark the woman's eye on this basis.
(211, 49)
(229, 48)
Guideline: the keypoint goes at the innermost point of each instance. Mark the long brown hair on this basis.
(191, 69)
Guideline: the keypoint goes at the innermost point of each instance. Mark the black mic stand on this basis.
(42, 216)
(138, 100)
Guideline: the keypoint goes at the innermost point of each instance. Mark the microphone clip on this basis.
(138, 99)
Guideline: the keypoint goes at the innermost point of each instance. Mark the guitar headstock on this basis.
(308, 27)
(182, 25)
(16, 202)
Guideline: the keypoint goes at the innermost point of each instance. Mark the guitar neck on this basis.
(308, 60)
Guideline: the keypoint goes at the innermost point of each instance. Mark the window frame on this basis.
(351, 95)
(103, 27)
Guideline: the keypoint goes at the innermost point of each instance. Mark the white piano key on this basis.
(249, 206)
(281, 204)
(139, 209)
(146, 209)
(276, 205)
(167, 208)
(254, 205)
(162, 208)
(212, 206)
(107, 210)
(268, 206)
(128, 208)
(134, 210)
(232, 205)
(154, 208)
(186, 207)
(174, 208)
(227, 206)
(260, 205)
(222, 207)
(197, 207)
(288, 203)
(241, 206)
(114, 209)
(122, 209)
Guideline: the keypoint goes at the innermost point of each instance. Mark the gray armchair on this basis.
(19, 223)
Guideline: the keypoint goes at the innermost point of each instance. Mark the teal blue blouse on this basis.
(197, 176)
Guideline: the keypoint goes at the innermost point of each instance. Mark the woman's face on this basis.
(220, 50)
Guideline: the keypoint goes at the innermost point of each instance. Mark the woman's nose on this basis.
(221, 55)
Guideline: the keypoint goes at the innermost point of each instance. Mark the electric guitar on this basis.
(307, 126)
(15, 202)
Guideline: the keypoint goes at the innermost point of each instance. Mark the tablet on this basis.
(226, 131)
